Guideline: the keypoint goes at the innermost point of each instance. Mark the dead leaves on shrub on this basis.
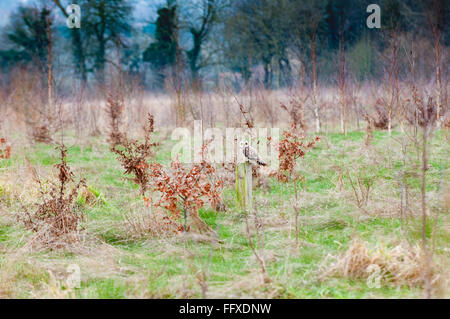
(114, 109)
(181, 189)
(134, 155)
(292, 147)
(5, 149)
(55, 220)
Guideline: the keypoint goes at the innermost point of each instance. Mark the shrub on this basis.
(292, 147)
(185, 190)
(421, 112)
(56, 220)
(296, 110)
(181, 189)
(114, 110)
(134, 155)
(5, 149)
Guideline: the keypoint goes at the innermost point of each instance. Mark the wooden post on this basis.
(244, 195)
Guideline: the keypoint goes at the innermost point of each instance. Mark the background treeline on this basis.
(206, 43)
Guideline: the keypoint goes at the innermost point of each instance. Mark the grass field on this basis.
(116, 262)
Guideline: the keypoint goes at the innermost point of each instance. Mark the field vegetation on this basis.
(93, 204)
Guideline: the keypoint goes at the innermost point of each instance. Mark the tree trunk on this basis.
(341, 81)
(193, 56)
(78, 54)
(267, 76)
(77, 47)
(438, 77)
(316, 106)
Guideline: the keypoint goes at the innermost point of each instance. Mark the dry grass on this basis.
(249, 286)
(400, 265)
(148, 223)
(135, 247)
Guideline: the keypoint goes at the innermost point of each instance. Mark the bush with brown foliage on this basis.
(185, 190)
(296, 110)
(381, 118)
(292, 147)
(56, 220)
(246, 114)
(421, 112)
(114, 109)
(5, 149)
(180, 188)
(134, 155)
(41, 134)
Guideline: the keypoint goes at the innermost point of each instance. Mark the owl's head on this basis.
(243, 143)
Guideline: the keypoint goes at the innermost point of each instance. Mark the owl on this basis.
(251, 154)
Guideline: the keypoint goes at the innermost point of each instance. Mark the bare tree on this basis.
(342, 73)
(200, 18)
(313, 13)
(435, 14)
(78, 49)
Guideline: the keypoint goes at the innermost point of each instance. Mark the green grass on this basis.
(152, 267)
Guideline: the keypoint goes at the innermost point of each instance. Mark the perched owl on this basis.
(251, 154)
